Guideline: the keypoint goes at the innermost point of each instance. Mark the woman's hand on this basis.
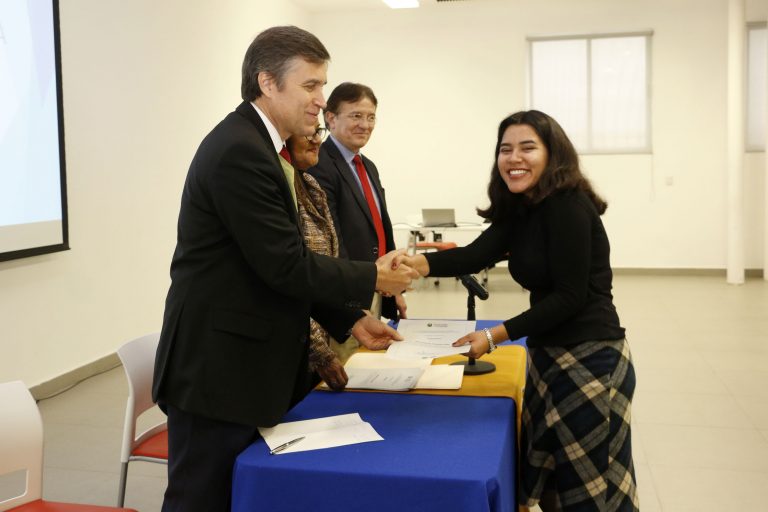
(417, 262)
(476, 342)
(402, 307)
(334, 374)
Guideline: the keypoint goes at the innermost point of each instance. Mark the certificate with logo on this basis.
(430, 338)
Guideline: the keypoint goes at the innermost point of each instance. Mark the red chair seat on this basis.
(51, 506)
(156, 446)
(438, 246)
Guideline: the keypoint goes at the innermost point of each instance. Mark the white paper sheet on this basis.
(378, 360)
(385, 379)
(429, 338)
(434, 332)
(320, 433)
(440, 376)
(415, 350)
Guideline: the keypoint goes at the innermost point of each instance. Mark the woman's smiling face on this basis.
(522, 158)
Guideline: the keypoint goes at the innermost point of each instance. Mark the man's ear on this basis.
(330, 119)
(267, 83)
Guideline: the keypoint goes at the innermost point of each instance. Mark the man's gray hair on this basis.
(272, 52)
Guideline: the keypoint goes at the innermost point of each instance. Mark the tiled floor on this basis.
(700, 413)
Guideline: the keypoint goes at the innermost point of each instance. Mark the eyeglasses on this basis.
(320, 133)
(358, 117)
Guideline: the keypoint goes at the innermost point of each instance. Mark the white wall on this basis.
(445, 75)
(144, 80)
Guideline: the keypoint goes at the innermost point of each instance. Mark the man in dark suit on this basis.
(233, 347)
(351, 182)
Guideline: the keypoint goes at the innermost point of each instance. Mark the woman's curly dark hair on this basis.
(561, 173)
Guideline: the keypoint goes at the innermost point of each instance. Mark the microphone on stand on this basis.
(474, 289)
(473, 286)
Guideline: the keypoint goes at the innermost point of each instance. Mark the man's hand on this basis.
(401, 306)
(392, 278)
(374, 334)
(334, 374)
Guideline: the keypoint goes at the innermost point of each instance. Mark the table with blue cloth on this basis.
(439, 453)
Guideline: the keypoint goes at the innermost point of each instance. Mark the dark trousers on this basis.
(201, 459)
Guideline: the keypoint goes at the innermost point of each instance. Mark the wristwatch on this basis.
(489, 337)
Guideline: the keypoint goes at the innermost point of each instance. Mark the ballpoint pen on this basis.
(283, 446)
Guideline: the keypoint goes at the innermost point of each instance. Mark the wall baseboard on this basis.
(628, 271)
(70, 379)
(717, 272)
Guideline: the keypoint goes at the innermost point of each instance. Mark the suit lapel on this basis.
(373, 174)
(247, 111)
(349, 180)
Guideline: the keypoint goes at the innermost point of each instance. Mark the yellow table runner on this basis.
(508, 380)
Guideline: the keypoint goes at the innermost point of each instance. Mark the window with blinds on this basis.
(597, 87)
(757, 86)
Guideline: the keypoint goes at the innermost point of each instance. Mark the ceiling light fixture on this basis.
(402, 4)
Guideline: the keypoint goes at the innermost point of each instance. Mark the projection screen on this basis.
(33, 204)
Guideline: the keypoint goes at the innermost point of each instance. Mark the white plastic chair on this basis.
(21, 449)
(138, 357)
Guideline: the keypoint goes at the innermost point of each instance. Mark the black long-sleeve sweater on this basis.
(559, 251)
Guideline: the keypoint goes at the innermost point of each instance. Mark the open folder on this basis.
(377, 371)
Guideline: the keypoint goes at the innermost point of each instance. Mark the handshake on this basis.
(396, 271)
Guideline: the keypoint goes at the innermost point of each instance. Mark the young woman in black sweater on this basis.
(576, 452)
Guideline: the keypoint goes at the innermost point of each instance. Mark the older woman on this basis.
(320, 237)
(576, 452)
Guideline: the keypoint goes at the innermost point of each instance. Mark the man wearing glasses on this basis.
(351, 182)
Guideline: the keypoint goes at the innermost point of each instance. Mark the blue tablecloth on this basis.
(442, 454)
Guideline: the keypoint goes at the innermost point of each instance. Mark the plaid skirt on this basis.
(575, 440)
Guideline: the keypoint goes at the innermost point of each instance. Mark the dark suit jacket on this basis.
(234, 339)
(351, 216)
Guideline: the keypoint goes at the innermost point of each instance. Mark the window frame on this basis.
(749, 148)
(588, 38)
